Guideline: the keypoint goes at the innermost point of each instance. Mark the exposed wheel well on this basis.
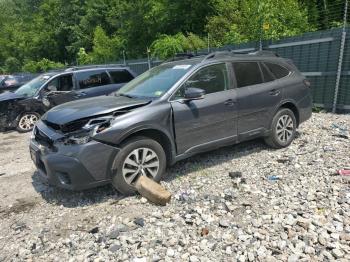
(294, 109)
(158, 136)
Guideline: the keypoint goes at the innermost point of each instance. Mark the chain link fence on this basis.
(323, 56)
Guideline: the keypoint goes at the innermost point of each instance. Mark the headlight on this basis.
(32, 134)
(93, 127)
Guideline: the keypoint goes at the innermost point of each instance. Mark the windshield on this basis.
(30, 88)
(155, 82)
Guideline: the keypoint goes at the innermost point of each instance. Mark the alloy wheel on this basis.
(285, 128)
(140, 162)
(28, 121)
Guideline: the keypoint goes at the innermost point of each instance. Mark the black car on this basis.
(169, 113)
(13, 82)
(22, 109)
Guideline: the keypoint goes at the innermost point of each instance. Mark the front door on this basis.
(59, 90)
(204, 122)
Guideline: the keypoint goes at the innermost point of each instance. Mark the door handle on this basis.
(274, 92)
(81, 94)
(229, 102)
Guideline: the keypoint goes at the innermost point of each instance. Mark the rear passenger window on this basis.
(120, 76)
(266, 73)
(277, 70)
(247, 73)
(92, 79)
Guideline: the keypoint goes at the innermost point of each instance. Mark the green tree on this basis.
(12, 65)
(241, 21)
(105, 49)
(40, 66)
(83, 58)
(167, 46)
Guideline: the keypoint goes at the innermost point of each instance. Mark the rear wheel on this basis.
(283, 129)
(139, 156)
(27, 121)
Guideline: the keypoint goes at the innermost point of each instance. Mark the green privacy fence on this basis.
(317, 56)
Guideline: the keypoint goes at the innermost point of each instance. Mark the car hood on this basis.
(10, 96)
(90, 107)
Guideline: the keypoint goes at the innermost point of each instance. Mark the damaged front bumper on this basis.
(73, 167)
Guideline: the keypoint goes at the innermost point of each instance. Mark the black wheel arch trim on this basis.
(283, 104)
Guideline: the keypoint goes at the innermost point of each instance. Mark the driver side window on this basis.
(53, 85)
(211, 79)
(61, 83)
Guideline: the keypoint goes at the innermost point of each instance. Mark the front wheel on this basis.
(139, 156)
(27, 121)
(283, 129)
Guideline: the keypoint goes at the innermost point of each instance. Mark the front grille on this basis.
(41, 138)
(52, 125)
(67, 128)
(74, 126)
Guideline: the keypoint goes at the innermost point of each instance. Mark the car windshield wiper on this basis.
(126, 95)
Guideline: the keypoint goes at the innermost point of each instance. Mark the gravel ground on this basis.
(289, 205)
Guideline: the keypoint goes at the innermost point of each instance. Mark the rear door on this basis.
(199, 123)
(93, 83)
(258, 95)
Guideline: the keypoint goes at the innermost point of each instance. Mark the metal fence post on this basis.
(149, 58)
(340, 62)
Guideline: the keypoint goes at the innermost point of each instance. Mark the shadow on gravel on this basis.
(71, 199)
(216, 157)
(199, 162)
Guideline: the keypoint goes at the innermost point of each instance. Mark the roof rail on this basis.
(181, 56)
(75, 68)
(207, 56)
(217, 53)
(264, 53)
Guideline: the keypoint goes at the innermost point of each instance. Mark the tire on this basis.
(126, 170)
(27, 121)
(283, 129)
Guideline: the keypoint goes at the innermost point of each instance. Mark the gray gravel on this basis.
(288, 205)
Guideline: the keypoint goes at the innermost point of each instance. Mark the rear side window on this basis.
(247, 74)
(120, 76)
(92, 79)
(268, 77)
(277, 70)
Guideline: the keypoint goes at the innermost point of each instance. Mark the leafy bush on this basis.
(83, 58)
(41, 66)
(12, 65)
(167, 46)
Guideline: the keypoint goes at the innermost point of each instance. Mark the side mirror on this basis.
(193, 93)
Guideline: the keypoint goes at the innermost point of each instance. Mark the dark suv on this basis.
(22, 109)
(169, 113)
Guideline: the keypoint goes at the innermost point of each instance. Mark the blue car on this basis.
(22, 108)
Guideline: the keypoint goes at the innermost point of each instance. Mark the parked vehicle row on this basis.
(13, 82)
(22, 108)
(169, 113)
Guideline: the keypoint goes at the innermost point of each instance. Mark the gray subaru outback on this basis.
(169, 113)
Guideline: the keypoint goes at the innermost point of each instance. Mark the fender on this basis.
(279, 105)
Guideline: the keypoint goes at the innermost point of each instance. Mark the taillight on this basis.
(307, 83)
